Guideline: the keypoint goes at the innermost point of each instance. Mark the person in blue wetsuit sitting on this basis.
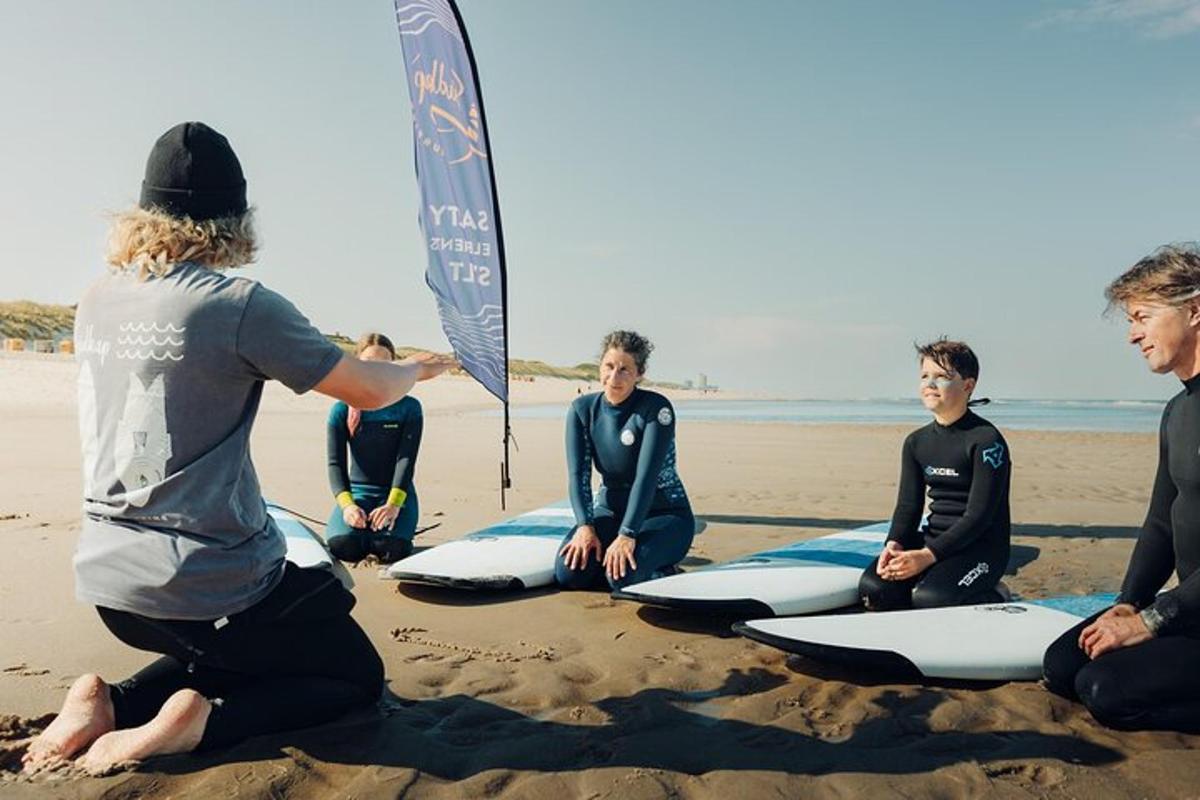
(640, 522)
(964, 463)
(376, 511)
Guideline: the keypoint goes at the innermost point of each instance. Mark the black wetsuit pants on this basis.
(1149, 686)
(966, 577)
(295, 659)
(354, 544)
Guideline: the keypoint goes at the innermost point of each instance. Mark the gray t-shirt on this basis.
(171, 371)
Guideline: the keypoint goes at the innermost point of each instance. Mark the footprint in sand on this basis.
(492, 685)
(1027, 774)
(24, 671)
(436, 680)
(679, 655)
(13, 727)
(534, 652)
(16, 733)
(826, 708)
(578, 674)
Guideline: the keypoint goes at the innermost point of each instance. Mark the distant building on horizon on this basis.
(704, 385)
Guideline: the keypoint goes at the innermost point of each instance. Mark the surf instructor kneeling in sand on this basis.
(176, 550)
(1133, 665)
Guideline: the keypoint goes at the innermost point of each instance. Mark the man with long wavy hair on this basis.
(1131, 665)
(177, 551)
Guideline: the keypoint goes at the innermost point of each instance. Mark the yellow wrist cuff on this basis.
(396, 497)
(345, 499)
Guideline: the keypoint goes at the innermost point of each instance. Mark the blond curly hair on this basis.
(152, 241)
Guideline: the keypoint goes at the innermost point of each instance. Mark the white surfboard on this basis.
(305, 548)
(803, 578)
(994, 641)
(515, 554)
(518, 553)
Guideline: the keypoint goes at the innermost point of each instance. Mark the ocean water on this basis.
(1135, 416)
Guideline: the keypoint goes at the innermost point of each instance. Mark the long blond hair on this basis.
(153, 241)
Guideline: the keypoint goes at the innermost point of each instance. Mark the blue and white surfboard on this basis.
(305, 548)
(515, 554)
(803, 578)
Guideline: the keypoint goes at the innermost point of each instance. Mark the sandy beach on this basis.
(546, 694)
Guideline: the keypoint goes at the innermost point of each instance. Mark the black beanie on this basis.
(192, 171)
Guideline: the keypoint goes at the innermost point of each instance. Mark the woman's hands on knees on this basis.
(384, 517)
(619, 561)
(575, 552)
(354, 516)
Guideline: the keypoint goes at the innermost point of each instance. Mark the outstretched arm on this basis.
(374, 384)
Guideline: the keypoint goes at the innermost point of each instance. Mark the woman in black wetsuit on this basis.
(1133, 665)
(963, 461)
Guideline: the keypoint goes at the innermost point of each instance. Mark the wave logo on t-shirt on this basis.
(145, 341)
(994, 455)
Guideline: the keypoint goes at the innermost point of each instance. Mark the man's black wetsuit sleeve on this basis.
(656, 443)
(579, 468)
(990, 470)
(336, 438)
(1153, 556)
(406, 453)
(910, 499)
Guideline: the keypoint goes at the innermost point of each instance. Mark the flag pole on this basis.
(505, 478)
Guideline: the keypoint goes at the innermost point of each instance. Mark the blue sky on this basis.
(784, 195)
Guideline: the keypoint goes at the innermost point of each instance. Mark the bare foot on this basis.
(177, 728)
(86, 715)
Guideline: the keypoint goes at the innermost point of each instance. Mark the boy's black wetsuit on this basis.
(1152, 685)
(967, 469)
(632, 446)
